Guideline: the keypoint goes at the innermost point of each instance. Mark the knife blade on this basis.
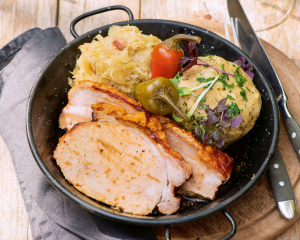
(253, 47)
(277, 173)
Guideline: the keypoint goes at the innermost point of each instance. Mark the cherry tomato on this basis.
(164, 63)
(166, 56)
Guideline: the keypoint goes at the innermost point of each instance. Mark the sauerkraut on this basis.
(101, 61)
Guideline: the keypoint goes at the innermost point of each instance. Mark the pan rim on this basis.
(135, 219)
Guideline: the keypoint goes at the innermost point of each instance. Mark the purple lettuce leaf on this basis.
(221, 107)
(241, 62)
(183, 61)
(212, 118)
(246, 67)
(214, 136)
(194, 61)
(220, 143)
(191, 64)
(250, 73)
(235, 121)
(191, 48)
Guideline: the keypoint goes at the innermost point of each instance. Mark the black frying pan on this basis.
(252, 154)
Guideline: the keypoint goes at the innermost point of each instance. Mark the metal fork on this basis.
(234, 30)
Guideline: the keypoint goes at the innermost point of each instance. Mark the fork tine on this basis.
(234, 33)
(226, 30)
(236, 26)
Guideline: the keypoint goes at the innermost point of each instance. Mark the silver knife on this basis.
(278, 176)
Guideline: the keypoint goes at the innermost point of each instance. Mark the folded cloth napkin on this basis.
(51, 215)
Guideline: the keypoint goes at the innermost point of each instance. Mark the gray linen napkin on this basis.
(51, 215)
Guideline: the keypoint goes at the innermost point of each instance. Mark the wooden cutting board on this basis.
(256, 214)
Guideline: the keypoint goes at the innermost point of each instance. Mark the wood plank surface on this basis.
(17, 16)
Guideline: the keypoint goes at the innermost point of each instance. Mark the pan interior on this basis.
(251, 153)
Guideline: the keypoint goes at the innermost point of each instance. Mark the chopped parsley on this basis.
(248, 89)
(201, 80)
(239, 79)
(243, 94)
(203, 106)
(175, 80)
(208, 55)
(224, 76)
(225, 84)
(205, 80)
(233, 110)
(182, 91)
(202, 100)
(230, 97)
(237, 68)
(185, 104)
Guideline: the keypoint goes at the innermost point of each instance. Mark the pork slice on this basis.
(209, 164)
(123, 160)
(85, 94)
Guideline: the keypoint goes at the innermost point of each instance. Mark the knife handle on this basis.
(293, 130)
(281, 186)
(291, 125)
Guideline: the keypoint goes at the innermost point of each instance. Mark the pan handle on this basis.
(101, 10)
(228, 236)
(233, 225)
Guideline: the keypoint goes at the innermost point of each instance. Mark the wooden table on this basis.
(17, 16)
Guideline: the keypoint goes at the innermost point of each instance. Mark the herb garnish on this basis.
(204, 79)
(230, 97)
(243, 94)
(233, 110)
(177, 119)
(225, 84)
(193, 59)
(182, 91)
(202, 100)
(200, 97)
(217, 124)
(239, 79)
(175, 80)
(246, 67)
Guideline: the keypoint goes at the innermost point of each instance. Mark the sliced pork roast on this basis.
(210, 165)
(123, 160)
(85, 94)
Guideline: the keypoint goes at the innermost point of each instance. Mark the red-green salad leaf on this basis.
(209, 131)
(246, 67)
